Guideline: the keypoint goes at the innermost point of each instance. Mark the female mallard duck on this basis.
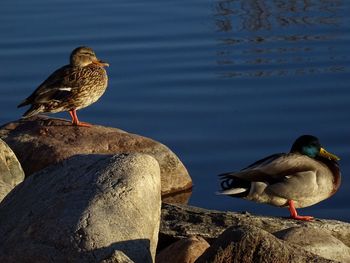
(305, 176)
(70, 88)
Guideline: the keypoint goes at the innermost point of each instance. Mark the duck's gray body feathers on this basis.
(282, 177)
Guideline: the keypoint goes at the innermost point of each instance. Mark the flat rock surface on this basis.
(83, 210)
(11, 172)
(41, 141)
(180, 221)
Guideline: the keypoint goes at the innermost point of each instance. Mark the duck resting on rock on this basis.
(303, 177)
(71, 87)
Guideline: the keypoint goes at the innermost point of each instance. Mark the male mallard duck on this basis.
(70, 88)
(305, 176)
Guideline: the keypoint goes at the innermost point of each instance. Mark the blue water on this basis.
(222, 83)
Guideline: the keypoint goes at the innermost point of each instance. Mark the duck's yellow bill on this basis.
(328, 155)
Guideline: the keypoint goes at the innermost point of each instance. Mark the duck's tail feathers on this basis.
(33, 110)
(234, 186)
(23, 103)
(233, 191)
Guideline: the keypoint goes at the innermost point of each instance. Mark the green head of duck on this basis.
(309, 145)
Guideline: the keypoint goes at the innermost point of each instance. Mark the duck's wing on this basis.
(303, 179)
(273, 169)
(238, 184)
(56, 87)
(264, 161)
(264, 170)
(286, 175)
(296, 186)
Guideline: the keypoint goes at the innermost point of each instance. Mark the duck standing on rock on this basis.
(71, 87)
(303, 177)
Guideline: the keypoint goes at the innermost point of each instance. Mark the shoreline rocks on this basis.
(41, 141)
(182, 221)
(83, 204)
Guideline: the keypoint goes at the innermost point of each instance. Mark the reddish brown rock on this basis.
(183, 251)
(41, 141)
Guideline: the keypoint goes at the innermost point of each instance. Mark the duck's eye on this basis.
(87, 54)
(310, 150)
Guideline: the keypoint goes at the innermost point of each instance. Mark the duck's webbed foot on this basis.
(294, 213)
(75, 120)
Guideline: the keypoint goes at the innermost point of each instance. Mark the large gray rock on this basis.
(84, 209)
(57, 140)
(11, 173)
(181, 221)
(250, 244)
(317, 241)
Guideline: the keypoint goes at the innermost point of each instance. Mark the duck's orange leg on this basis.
(294, 214)
(75, 120)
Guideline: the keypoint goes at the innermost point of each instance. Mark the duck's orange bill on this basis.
(101, 63)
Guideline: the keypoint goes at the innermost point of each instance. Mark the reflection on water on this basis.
(283, 35)
(257, 15)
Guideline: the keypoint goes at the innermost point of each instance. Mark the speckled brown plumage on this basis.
(70, 88)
